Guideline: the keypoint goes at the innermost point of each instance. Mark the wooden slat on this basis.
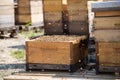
(52, 5)
(70, 2)
(107, 13)
(53, 16)
(24, 18)
(24, 13)
(107, 35)
(78, 28)
(73, 4)
(24, 10)
(53, 22)
(6, 2)
(107, 23)
(78, 15)
(52, 8)
(109, 53)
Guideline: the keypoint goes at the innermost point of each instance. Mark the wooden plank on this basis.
(78, 28)
(60, 76)
(107, 13)
(54, 5)
(53, 8)
(5, 9)
(53, 22)
(107, 23)
(108, 54)
(78, 15)
(6, 2)
(24, 18)
(24, 10)
(111, 51)
(53, 16)
(106, 6)
(73, 5)
(115, 69)
(70, 2)
(107, 35)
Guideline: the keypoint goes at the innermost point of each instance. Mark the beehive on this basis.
(55, 52)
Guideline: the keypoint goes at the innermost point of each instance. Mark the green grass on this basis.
(31, 33)
(18, 54)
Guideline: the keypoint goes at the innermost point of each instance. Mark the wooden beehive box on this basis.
(29, 11)
(54, 54)
(6, 14)
(78, 17)
(108, 56)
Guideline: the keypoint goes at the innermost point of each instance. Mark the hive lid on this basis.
(106, 6)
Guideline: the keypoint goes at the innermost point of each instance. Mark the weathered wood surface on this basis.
(53, 52)
(24, 13)
(106, 6)
(53, 16)
(52, 5)
(36, 12)
(6, 2)
(73, 5)
(107, 35)
(53, 23)
(78, 28)
(107, 23)
(108, 53)
(107, 13)
(61, 76)
(6, 14)
(78, 15)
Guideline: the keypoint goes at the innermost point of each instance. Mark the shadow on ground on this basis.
(13, 66)
(22, 47)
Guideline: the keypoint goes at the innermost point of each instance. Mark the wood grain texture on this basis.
(107, 13)
(108, 53)
(78, 28)
(107, 23)
(52, 5)
(107, 35)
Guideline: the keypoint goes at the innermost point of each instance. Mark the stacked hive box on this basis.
(30, 11)
(78, 17)
(24, 14)
(6, 14)
(107, 34)
(55, 52)
(36, 7)
(53, 16)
